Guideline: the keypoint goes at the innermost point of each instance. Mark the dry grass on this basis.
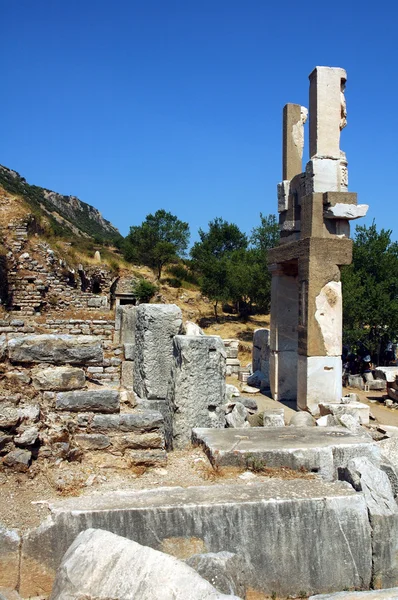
(11, 208)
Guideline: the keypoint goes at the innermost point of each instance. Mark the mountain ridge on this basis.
(70, 212)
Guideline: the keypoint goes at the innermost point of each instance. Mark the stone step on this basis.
(295, 535)
(317, 449)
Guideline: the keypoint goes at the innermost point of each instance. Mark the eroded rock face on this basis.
(155, 327)
(102, 565)
(59, 378)
(56, 349)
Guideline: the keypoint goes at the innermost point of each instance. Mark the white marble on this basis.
(346, 211)
(319, 379)
(329, 314)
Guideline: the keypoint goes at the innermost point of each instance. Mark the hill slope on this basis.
(67, 214)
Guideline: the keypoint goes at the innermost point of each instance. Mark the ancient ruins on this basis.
(315, 209)
(311, 508)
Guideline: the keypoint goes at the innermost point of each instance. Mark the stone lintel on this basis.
(337, 251)
(333, 198)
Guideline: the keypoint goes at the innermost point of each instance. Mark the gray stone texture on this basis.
(128, 351)
(238, 416)
(59, 378)
(365, 477)
(127, 324)
(100, 565)
(297, 535)
(18, 460)
(156, 325)
(127, 380)
(197, 385)
(52, 348)
(9, 557)
(105, 401)
(302, 419)
(225, 570)
(139, 421)
(317, 449)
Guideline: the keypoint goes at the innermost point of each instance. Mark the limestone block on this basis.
(102, 565)
(128, 351)
(383, 515)
(18, 460)
(92, 441)
(323, 175)
(191, 328)
(54, 348)
(197, 385)
(278, 521)
(274, 417)
(261, 349)
(231, 391)
(97, 302)
(225, 570)
(144, 420)
(319, 379)
(59, 378)
(346, 211)
(238, 416)
(127, 324)
(105, 401)
(302, 419)
(9, 557)
(356, 409)
(156, 325)
(127, 380)
(356, 381)
(231, 348)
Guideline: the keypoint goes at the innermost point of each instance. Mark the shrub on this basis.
(144, 290)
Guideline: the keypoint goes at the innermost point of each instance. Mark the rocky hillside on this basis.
(67, 214)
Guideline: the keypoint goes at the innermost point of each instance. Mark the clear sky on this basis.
(138, 105)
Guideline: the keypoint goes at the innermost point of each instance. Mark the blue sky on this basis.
(138, 105)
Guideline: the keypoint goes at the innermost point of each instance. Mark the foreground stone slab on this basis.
(9, 557)
(155, 327)
(289, 532)
(104, 401)
(389, 594)
(101, 565)
(59, 378)
(197, 385)
(318, 449)
(73, 349)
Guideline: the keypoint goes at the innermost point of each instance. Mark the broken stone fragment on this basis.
(100, 564)
(191, 328)
(237, 417)
(227, 571)
(3, 346)
(59, 378)
(302, 419)
(274, 418)
(9, 416)
(18, 459)
(54, 348)
(28, 437)
(346, 211)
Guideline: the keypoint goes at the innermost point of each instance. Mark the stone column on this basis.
(196, 389)
(283, 332)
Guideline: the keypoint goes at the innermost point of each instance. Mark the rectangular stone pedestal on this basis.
(319, 379)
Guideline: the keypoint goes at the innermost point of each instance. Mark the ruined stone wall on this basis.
(37, 280)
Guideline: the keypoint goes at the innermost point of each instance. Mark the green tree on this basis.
(370, 290)
(161, 239)
(211, 257)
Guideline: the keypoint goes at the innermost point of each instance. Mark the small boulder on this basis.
(231, 391)
(18, 459)
(193, 329)
(274, 418)
(27, 437)
(237, 417)
(302, 419)
(59, 378)
(100, 565)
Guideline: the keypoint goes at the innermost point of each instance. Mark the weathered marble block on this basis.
(53, 348)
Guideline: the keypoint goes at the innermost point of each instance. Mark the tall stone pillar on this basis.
(283, 332)
(315, 209)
